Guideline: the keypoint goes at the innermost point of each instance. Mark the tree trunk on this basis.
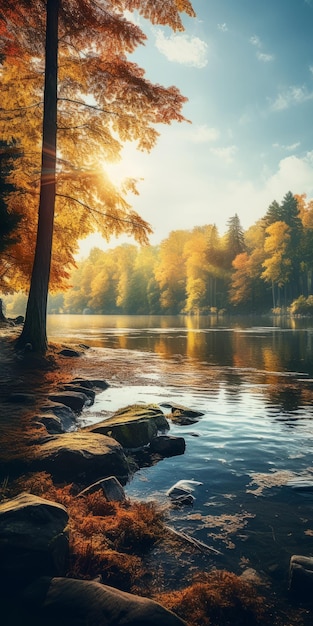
(34, 330)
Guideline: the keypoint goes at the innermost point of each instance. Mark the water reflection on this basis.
(211, 352)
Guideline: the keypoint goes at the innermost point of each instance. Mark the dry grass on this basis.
(107, 539)
(221, 598)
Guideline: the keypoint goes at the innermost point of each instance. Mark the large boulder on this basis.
(81, 456)
(33, 539)
(79, 602)
(133, 426)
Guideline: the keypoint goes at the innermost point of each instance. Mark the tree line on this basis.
(267, 267)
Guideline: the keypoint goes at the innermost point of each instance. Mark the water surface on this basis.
(253, 380)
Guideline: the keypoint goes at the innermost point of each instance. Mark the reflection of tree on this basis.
(287, 398)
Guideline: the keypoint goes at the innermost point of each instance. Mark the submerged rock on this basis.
(168, 445)
(182, 415)
(182, 492)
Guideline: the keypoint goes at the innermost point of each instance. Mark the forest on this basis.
(266, 268)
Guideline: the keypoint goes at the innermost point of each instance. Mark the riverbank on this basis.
(18, 434)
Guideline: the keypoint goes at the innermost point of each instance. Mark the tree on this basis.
(170, 272)
(235, 239)
(277, 264)
(94, 38)
(273, 214)
(8, 220)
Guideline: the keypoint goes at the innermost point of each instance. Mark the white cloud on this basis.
(290, 148)
(225, 154)
(266, 58)
(203, 134)
(255, 41)
(261, 56)
(223, 27)
(184, 49)
(290, 97)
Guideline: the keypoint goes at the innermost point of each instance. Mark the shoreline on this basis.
(68, 369)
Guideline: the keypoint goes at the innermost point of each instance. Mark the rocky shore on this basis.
(85, 469)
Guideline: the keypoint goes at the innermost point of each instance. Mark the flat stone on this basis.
(69, 352)
(133, 426)
(90, 393)
(81, 455)
(76, 400)
(181, 410)
(93, 383)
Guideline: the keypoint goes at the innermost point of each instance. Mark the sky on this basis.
(246, 67)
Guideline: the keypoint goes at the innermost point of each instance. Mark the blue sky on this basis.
(246, 67)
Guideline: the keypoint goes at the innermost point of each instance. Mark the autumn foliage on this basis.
(103, 100)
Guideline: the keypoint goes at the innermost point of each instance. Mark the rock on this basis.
(181, 492)
(52, 423)
(69, 352)
(111, 488)
(183, 411)
(82, 602)
(90, 393)
(64, 413)
(81, 455)
(167, 445)
(33, 539)
(133, 426)
(301, 576)
(76, 400)
(94, 383)
(181, 414)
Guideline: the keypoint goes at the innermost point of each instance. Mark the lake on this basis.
(253, 380)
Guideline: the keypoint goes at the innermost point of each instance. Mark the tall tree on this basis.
(277, 264)
(94, 39)
(170, 272)
(235, 239)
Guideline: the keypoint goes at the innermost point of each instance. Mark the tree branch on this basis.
(31, 106)
(89, 208)
(84, 104)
